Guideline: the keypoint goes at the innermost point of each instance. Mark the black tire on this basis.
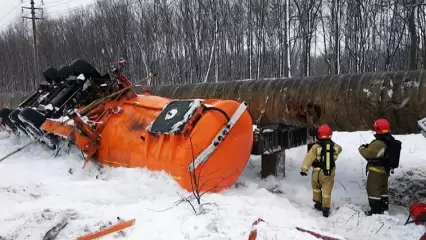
(33, 120)
(33, 116)
(81, 66)
(27, 119)
(51, 75)
(13, 116)
(64, 72)
(4, 115)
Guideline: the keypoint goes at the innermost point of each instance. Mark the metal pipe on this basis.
(347, 102)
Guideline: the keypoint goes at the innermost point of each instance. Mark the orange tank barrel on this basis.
(209, 140)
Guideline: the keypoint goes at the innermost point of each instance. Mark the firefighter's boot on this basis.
(325, 212)
(376, 207)
(318, 206)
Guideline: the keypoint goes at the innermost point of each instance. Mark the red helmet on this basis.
(382, 126)
(324, 132)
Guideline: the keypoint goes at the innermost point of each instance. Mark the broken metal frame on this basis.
(270, 142)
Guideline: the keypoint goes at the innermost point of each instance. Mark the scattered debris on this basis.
(53, 232)
(342, 185)
(253, 232)
(107, 230)
(378, 230)
(317, 235)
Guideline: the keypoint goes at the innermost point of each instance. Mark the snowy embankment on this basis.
(37, 190)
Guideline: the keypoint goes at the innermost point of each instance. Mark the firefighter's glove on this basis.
(303, 174)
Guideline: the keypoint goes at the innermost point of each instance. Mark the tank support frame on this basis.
(270, 142)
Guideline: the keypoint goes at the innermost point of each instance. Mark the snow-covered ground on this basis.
(37, 190)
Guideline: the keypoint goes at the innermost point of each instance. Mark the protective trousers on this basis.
(322, 186)
(377, 191)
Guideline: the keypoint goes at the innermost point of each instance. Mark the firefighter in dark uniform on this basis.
(321, 157)
(378, 173)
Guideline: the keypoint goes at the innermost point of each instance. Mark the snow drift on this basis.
(37, 191)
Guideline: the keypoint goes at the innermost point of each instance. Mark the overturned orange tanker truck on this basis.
(206, 139)
(203, 143)
(202, 134)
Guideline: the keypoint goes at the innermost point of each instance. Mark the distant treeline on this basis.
(219, 40)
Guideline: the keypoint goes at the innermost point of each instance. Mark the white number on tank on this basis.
(171, 114)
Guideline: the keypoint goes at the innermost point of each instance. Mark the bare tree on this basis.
(220, 40)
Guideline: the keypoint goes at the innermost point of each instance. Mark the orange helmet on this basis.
(324, 132)
(382, 126)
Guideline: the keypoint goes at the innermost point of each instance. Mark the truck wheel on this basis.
(33, 119)
(13, 116)
(4, 115)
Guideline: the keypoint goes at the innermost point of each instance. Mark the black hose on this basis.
(219, 110)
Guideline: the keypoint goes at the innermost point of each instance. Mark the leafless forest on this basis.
(220, 40)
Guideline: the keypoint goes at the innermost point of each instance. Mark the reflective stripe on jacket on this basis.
(376, 169)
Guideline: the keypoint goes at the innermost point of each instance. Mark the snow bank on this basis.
(37, 191)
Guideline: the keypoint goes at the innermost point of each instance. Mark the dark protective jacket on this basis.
(375, 152)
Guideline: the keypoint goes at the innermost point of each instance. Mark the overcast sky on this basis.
(10, 9)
